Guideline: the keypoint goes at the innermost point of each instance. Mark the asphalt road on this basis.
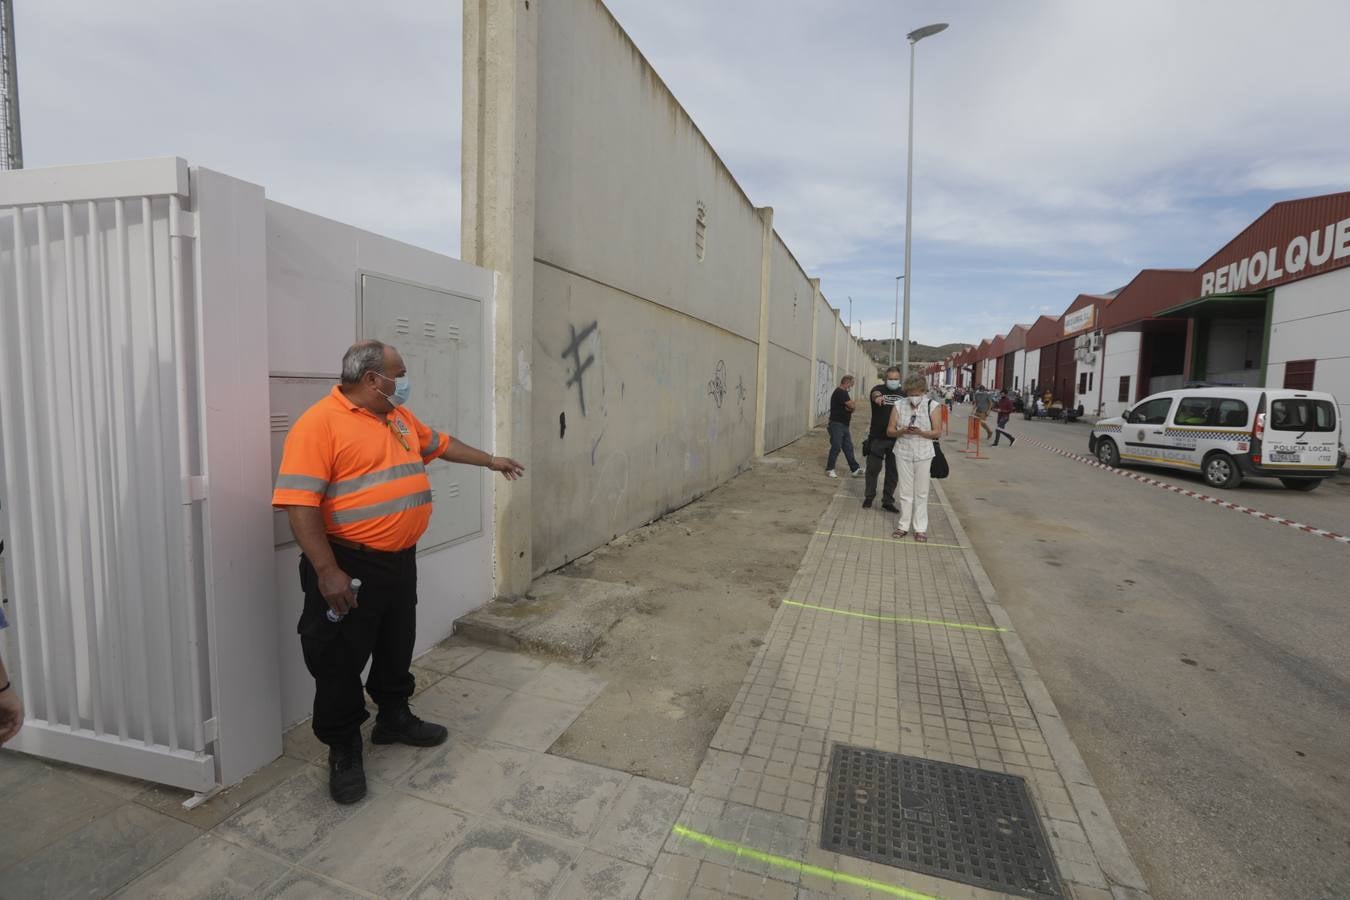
(1326, 507)
(1200, 658)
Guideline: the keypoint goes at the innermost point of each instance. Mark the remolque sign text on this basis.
(1304, 251)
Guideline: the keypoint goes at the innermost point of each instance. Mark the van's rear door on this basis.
(1301, 432)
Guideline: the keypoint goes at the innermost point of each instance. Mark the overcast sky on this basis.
(1060, 146)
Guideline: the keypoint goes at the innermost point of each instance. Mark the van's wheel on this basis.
(1301, 484)
(1221, 471)
(1107, 454)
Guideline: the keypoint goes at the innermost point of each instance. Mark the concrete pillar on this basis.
(497, 232)
(762, 366)
(834, 362)
(834, 346)
(1188, 357)
(812, 375)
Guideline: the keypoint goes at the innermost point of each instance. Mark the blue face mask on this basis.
(402, 389)
(892, 383)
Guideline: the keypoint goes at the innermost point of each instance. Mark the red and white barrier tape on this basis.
(1194, 495)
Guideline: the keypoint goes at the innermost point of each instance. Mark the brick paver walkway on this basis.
(896, 646)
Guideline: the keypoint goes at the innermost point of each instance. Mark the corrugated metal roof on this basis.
(1149, 292)
(1045, 330)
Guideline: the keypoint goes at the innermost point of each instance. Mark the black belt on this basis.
(364, 548)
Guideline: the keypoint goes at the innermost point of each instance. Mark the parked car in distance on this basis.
(1228, 433)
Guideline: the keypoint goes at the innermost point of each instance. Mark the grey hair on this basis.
(915, 382)
(362, 357)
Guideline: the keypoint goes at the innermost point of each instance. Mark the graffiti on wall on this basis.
(824, 386)
(717, 387)
(740, 394)
(579, 366)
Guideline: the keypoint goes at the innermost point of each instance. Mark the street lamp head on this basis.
(927, 31)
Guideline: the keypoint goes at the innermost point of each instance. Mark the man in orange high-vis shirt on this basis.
(353, 482)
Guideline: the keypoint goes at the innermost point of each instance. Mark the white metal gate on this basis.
(100, 428)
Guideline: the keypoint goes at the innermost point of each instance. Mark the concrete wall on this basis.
(1120, 359)
(648, 269)
(828, 367)
(1310, 321)
(1019, 371)
(638, 431)
(790, 382)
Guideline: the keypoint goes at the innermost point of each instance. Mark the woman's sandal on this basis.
(898, 534)
(921, 537)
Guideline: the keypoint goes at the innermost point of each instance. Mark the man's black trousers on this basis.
(381, 629)
(874, 464)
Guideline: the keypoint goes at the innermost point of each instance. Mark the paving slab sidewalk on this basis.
(852, 658)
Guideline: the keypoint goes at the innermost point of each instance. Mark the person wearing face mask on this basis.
(878, 446)
(354, 485)
(913, 424)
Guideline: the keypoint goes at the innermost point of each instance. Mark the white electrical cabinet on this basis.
(440, 335)
(289, 398)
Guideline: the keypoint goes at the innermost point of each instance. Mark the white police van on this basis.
(1226, 433)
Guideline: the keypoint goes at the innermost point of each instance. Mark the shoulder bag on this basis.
(938, 468)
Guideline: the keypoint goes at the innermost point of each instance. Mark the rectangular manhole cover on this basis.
(968, 825)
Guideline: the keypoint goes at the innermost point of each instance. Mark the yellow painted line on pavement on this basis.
(863, 537)
(740, 850)
(913, 621)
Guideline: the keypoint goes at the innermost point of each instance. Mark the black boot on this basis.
(402, 727)
(346, 771)
(889, 507)
(867, 503)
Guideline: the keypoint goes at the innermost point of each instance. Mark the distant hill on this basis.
(880, 351)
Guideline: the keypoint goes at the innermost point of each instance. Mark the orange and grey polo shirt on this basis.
(366, 473)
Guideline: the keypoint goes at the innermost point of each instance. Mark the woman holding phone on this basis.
(912, 426)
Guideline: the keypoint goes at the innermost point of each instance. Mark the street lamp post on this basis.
(914, 38)
(898, 278)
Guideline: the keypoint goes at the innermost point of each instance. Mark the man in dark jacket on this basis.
(881, 398)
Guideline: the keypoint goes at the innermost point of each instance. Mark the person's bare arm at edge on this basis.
(11, 708)
(334, 584)
(471, 456)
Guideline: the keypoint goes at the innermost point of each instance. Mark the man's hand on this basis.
(878, 398)
(336, 587)
(11, 714)
(334, 584)
(507, 466)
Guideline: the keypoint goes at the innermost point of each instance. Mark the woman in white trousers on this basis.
(912, 426)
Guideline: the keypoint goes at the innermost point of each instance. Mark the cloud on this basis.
(1060, 146)
(1057, 136)
(346, 110)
